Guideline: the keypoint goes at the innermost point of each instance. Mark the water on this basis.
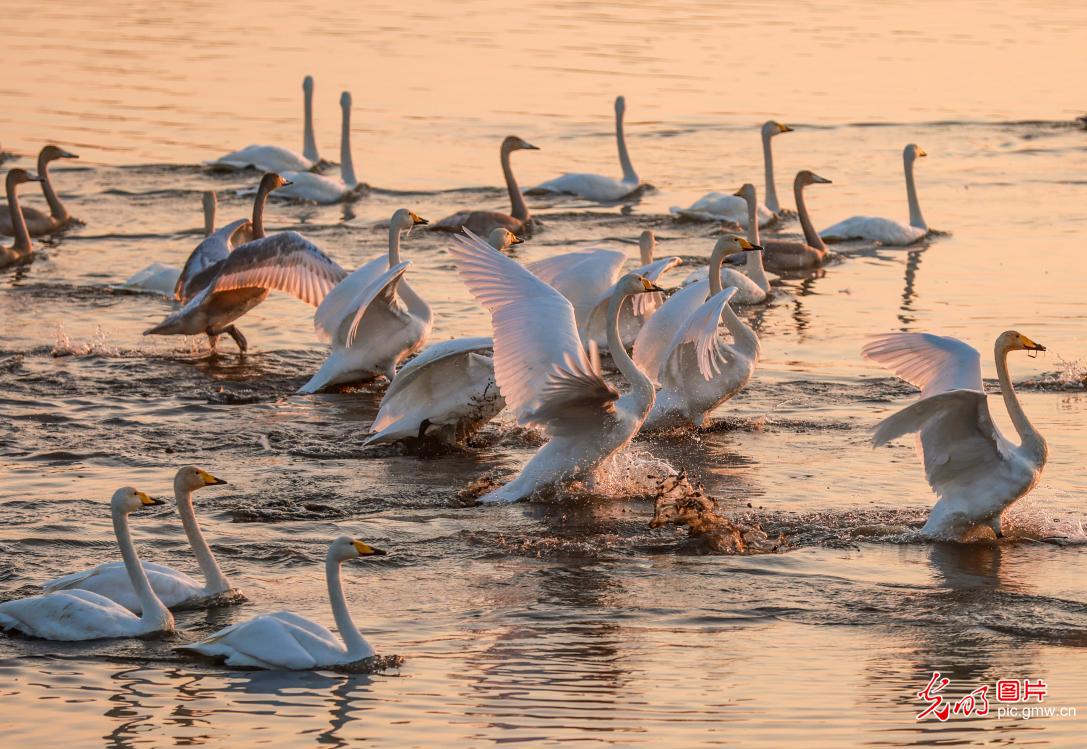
(571, 623)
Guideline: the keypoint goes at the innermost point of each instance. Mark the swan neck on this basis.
(394, 244)
(717, 258)
(811, 236)
(768, 164)
(56, 208)
(641, 386)
(517, 200)
(756, 271)
(258, 211)
(629, 175)
(1027, 434)
(347, 165)
(214, 579)
(916, 219)
(352, 638)
(309, 142)
(645, 249)
(18, 221)
(209, 216)
(752, 220)
(152, 609)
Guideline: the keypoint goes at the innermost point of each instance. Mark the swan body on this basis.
(373, 318)
(518, 221)
(597, 187)
(975, 471)
(447, 393)
(71, 615)
(22, 250)
(276, 158)
(752, 284)
(884, 230)
(544, 373)
(285, 641)
(172, 587)
(318, 188)
(40, 224)
(790, 254)
(156, 278)
(225, 291)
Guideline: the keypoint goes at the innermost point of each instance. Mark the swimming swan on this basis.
(373, 318)
(447, 393)
(22, 250)
(37, 223)
(976, 472)
(172, 587)
(884, 230)
(483, 222)
(277, 158)
(229, 288)
(324, 190)
(70, 615)
(544, 373)
(597, 187)
(752, 284)
(285, 641)
(789, 254)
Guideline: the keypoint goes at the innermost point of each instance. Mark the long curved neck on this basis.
(209, 214)
(214, 579)
(56, 208)
(18, 222)
(347, 165)
(153, 610)
(916, 219)
(352, 638)
(717, 258)
(744, 337)
(753, 220)
(394, 244)
(756, 271)
(258, 211)
(811, 236)
(641, 386)
(309, 142)
(629, 175)
(1028, 436)
(517, 200)
(768, 164)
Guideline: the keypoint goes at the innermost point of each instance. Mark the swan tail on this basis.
(322, 378)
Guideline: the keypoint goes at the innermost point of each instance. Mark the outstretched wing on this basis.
(645, 304)
(377, 306)
(933, 363)
(582, 277)
(339, 305)
(286, 262)
(213, 250)
(540, 365)
(701, 331)
(653, 344)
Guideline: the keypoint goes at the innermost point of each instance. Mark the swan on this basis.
(789, 254)
(324, 190)
(446, 393)
(593, 323)
(597, 187)
(543, 371)
(752, 284)
(482, 222)
(285, 641)
(976, 472)
(720, 206)
(70, 615)
(373, 318)
(583, 277)
(228, 288)
(22, 249)
(277, 158)
(37, 223)
(884, 230)
(218, 244)
(172, 587)
(503, 239)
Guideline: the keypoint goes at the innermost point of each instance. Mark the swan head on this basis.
(127, 500)
(912, 152)
(747, 192)
(191, 478)
(404, 219)
(1013, 340)
(345, 100)
(21, 176)
(513, 143)
(502, 239)
(620, 105)
(307, 84)
(272, 181)
(52, 153)
(731, 243)
(807, 177)
(632, 283)
(770, 128)
(345, 547)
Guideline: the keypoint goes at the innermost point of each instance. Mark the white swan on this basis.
(752, 284)
(502, 239)
(172, 587)
(593, 322)
(70, 615)
(277, 158)
(721, 206)
(583, 277)
(447, 393)
(597, 187)
(789, 254)
(324, 190)
(373, 318)
(517, 221)
(38, 223)
(884, 230)
(225, 290)
(22, 250)
(284, 640)
(544, 374)
(976, 472)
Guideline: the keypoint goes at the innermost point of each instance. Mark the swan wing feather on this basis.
(286, 262)
(933, 363)
(653, 344)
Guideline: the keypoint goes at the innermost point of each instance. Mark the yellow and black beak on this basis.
(417, 220)
(210, 480)
(517, 240)
(649, 285)
(365, 550)
(147, 501)
(1031, 346)
(786, 129)
(921, 152)
(747, 246)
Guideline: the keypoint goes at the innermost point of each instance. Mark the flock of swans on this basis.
(681, 354)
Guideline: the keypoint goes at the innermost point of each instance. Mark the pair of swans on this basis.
(39, 224)
(789, 254)
(22, 249)
(276, 158)
(544, 373)
(518, 221)
(219, 284)
(597, 187)
(976, 472)
(719, 206)
(318, 188)
(886, 231)
(679, 348)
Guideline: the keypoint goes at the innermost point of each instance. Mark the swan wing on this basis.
(213, 250)
(69, 615)
(540, 365)
(377, 306)
(653, 344)
(645, 305)
(436, 358)
(286, 262)
(111, 581)
(701, 331)
(933, 363)
(338, 305)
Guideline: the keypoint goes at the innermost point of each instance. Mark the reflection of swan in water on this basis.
(909, 288)
(277, 158)
(37, 223)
